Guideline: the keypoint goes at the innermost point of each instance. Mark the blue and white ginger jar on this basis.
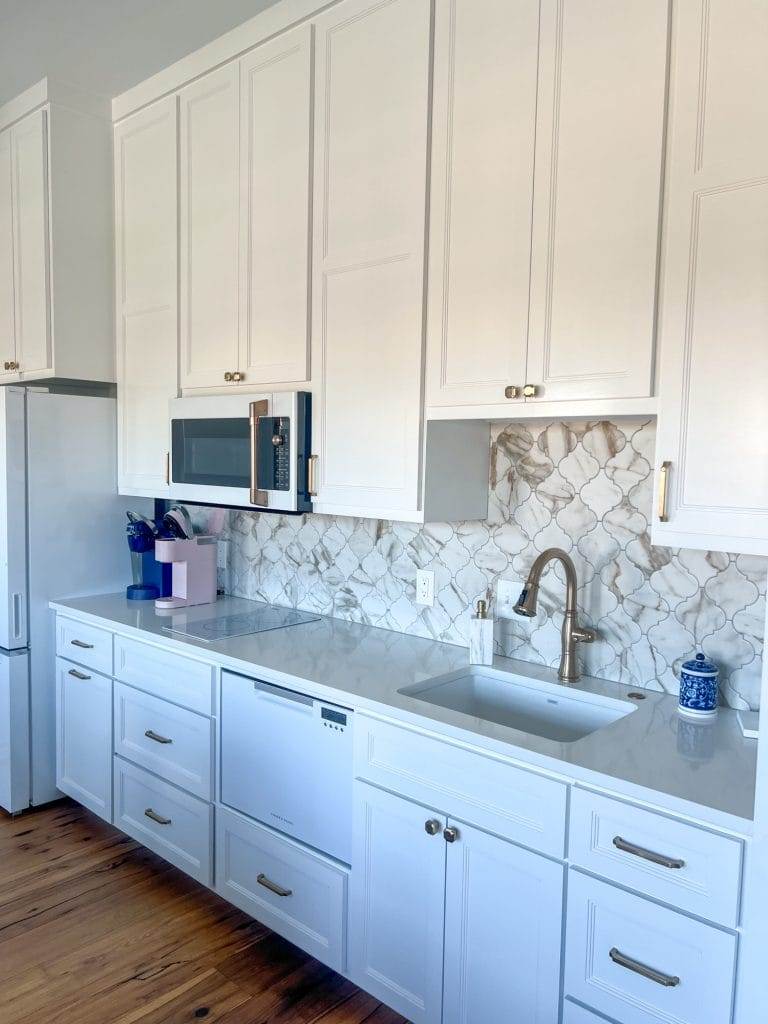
(698, 687)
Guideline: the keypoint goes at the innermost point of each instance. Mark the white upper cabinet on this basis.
(714, 299)
(276, 123)
(549, 121)
(484, 128)
(209, 228)
(55, 237)
(146, 293)
(372, 117)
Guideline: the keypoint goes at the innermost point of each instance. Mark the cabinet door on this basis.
(397, 892)
(713, 416)
(276, 120)
(29, 149)
(503, 923)
(209, 206)
(602, 81)
(7, 313)
(369, 239)
(146, 294)
(482, 198)
(84, 737)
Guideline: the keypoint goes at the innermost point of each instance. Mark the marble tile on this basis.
(584, 485)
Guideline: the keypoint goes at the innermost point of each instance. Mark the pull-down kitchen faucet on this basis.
(572, 632)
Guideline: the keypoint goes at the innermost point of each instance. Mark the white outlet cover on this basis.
(222, 554)
(507, 593)
(425, 587)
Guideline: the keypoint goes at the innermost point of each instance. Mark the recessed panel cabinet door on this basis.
(209, 204)
(276, 124)
(713, 417)
(29, 162)
(371, 130)
(599, 138)
(397, 891)
(7, 314)
(146, 294)
(484, 129)
(503, 922)
(84, 736)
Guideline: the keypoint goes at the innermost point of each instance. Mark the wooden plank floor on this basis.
(94, 929)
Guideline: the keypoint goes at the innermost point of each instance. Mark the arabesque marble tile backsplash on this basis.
(583, 486)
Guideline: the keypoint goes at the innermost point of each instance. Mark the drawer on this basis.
(695, 870)
(88, 645)
(515, 804)
(612, 935)
(170, 741)
(575, 1014)
(297, 893)
(165, 674)
(177, 826)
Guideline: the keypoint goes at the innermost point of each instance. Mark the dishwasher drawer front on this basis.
(286, 760)
(299, 894)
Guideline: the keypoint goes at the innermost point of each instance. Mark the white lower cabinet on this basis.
(449, 923)
(174, 824)
(84, 736)
(641, 963)
(295, 891)
(575, 1014)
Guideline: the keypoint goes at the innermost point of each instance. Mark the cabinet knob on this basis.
(229, 377)
(530, 390)
(512, 391)
(10, 366)
(432, 827)
(450, 835)
(237, 376)
(6, 365)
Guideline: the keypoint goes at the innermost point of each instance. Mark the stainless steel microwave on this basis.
(246, 451)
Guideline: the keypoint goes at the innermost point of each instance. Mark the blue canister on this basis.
(698, 687)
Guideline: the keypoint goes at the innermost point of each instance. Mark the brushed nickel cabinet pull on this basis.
(663, 481)
(154, 816)
(312, 475)
(640, 851)
(83, 644)
(78, 675)
(152, 735)
(667, 980)
(278, 890)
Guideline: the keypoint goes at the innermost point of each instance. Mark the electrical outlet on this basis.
(507, 593)
(425, 587)
(222, 554)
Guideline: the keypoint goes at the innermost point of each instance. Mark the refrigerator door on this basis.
(13, 519)
(15, 792)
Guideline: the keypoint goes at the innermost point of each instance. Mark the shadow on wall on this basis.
(584, 486)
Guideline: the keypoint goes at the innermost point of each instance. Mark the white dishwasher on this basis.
(286, 760)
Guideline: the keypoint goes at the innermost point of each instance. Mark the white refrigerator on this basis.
(62, 533)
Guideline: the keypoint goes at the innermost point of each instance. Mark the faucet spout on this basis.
(572, 632)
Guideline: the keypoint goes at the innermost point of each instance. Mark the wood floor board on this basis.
(94, 929)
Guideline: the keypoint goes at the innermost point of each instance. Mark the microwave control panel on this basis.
(275, 453)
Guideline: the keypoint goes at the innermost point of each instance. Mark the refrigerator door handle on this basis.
(16, 623)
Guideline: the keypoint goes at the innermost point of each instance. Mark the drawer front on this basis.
(165, 674)
(177, 826)
(681, 864)
(575, 1014)
(301, 896)
(88, 645)
(516, 804)
(614, 940)
(170, 741)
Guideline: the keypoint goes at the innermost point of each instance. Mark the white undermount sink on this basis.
(544, 709)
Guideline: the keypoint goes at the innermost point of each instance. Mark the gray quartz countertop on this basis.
(704, 771)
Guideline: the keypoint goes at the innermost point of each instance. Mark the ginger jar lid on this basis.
(700, 666)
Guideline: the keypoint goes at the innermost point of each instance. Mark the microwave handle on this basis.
(255, 411)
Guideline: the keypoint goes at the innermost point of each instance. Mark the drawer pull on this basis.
(640, 851)
(154, 816)
(278, 890)
(78, 675)
(83, 644)
(667, 980)
(152, 735)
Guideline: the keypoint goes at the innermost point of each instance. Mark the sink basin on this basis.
(544, 709)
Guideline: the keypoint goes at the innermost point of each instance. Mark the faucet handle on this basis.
(584, 635)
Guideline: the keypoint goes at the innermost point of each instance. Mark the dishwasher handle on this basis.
(281, 693)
